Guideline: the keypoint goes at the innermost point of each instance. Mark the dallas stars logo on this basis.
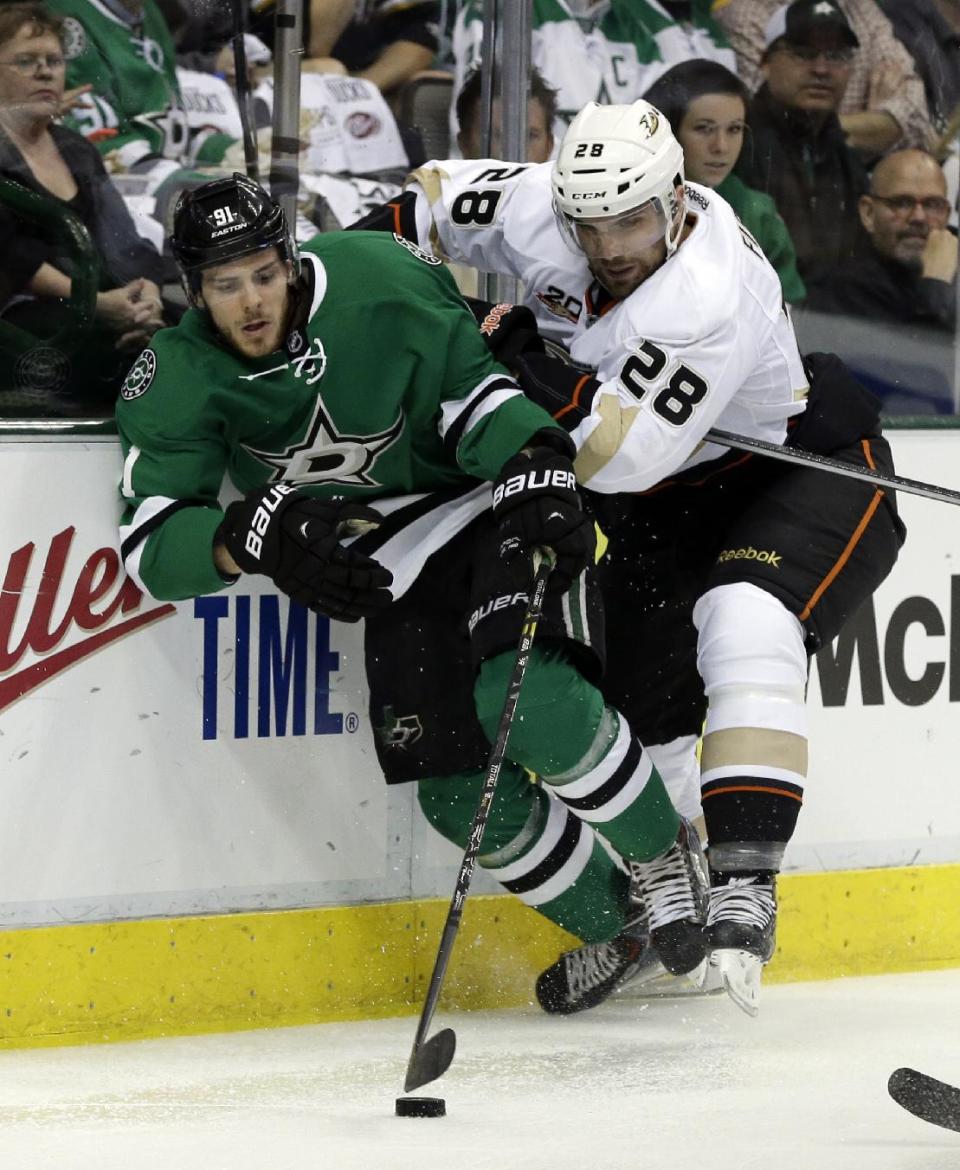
(324, 455)
(398, 731)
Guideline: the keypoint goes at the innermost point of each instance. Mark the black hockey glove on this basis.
(509, 330)
(536, 504)
(294, 539)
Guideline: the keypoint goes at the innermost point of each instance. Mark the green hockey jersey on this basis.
(611, 55)
(134, 109)
(387, 392)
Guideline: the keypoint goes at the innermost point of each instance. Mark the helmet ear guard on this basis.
(615, 159)
(224, 220)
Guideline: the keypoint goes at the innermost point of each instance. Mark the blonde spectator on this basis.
(53, 161)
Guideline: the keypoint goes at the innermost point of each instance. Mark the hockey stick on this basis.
(795, 455)
(925, 1097)
(242, 82)
(913, 487)
(431, 1058)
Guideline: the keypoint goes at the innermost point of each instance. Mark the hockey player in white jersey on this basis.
(725, 571)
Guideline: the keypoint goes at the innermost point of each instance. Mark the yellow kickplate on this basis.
(165, 977)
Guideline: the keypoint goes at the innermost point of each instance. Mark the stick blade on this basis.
(926, 1097)
(430, 1060)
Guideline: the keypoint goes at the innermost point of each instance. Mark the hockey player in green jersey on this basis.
(124, 50)
(348, 393)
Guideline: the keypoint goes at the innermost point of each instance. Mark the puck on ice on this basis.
(421, 1107)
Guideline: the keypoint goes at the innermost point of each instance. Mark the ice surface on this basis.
(664, 1085)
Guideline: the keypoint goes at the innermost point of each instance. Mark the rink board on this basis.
(193, 772)
(133, 980)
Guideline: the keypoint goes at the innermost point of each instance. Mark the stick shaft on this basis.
(915, 487)
(480, 817)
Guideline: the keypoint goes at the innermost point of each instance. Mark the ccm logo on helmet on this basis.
(587, 194)
(534, 481)
(262, 517)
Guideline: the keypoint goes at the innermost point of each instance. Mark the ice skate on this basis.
(674, 888)
(741, 937)
(588, 975)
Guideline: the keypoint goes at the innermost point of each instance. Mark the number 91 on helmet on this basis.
(223, 220)
(618, 182)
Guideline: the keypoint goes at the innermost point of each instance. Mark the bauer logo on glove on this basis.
(536, 505)
(296, 540)
(262, 517)
(532, 481)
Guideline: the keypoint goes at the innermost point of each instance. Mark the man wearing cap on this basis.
(798, 153)
(884, 105)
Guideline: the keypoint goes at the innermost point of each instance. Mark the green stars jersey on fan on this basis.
(134, 108)
(387, 392)
(604, 52)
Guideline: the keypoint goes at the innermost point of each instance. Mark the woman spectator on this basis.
(61, 165)
(706, 106)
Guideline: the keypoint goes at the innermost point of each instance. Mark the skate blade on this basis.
(739, 974)
(656, 982)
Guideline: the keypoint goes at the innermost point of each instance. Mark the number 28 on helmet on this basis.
(619, 166)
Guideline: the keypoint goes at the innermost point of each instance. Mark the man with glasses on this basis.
(798, 154)
(905, 272)
(884, 105)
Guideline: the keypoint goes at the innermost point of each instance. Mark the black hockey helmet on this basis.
(223, 220)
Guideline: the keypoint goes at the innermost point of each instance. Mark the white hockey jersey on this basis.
(706, 341)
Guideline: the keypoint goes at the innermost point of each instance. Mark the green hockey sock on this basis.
(536, 848)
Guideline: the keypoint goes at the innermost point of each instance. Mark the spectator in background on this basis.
(798, 152)
(383, 41)
(59, 164)
(123, 49)
(706, 106)
(603, 52)
(202, 35)
(884, 104)
(541, 111)
(905, 272)
(930, 29)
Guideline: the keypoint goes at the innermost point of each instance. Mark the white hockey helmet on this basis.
(615, 159)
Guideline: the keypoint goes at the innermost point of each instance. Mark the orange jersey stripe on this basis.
(851, 543)
(751, 788)
(694, 483)
(575, 400)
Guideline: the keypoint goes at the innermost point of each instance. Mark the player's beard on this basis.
(266, 340)
(270, 339)
(622, 277)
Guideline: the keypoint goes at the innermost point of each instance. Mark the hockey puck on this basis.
(421, 1107)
